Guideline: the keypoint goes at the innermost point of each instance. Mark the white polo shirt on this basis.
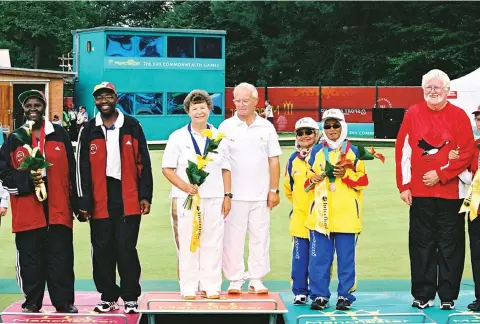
(112, 138)
(249, 148)
(180, 150)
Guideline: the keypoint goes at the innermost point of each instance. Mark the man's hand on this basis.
(406, 196)
(83, 215)
(226, 206)
(273, 200)
(430, 178)
(317, 178)
(453, 154)
(3, 211)
(36, 177)
(144, 207)
(338, 171)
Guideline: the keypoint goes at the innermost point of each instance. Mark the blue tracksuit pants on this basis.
(322, 249)
(300, 258)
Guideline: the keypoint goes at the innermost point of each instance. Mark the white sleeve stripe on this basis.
(406, 162)
(77, 158)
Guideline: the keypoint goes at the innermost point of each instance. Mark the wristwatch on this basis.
(275, 191)
(229, 194)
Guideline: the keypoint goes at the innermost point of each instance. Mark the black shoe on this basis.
(343, 303)
(30, 309)
(67, 308)
(422, 304)
(319, 303)
(447, 305)
(474, 306)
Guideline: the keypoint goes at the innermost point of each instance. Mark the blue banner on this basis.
(163, 63)
(358, 130)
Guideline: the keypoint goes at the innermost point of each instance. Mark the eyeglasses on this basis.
(109, 97)
(307, 132)
(432, 88)
(244, 101)
(335, 126)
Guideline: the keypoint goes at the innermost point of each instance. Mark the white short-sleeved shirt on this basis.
(180, 150)
(249, 148)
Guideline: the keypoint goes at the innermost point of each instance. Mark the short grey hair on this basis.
(249, 87)
(436, 74)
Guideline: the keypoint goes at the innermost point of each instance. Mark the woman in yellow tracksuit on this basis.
(296, 173)
(336, 213)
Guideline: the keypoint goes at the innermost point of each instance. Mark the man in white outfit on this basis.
(254, 157)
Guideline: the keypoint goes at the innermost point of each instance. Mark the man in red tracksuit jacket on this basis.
(115, 188)
(430, 184)
(43, 230)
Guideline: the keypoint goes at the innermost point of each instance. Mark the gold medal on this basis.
(332, 187)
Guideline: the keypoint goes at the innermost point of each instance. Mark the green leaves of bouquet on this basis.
(35, 161)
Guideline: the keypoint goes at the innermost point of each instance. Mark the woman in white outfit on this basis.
(200, 270)
(3, 201)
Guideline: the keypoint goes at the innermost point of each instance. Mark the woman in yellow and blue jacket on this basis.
(341, 201)
(296, 174)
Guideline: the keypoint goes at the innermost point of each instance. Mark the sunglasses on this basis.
(335, 126)
(307, 132)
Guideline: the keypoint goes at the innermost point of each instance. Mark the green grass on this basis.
(382, 250)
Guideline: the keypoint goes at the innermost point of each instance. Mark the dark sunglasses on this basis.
(307, 132)
(335, 126)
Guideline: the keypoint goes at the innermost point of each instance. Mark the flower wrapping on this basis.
(35, 161)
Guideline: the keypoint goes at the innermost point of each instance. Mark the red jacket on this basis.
(137, 181)
(423, 143)
(27, 211)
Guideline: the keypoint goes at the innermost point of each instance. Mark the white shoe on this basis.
(300, 300)
(212, 294)
(235, 287)
(256, 287)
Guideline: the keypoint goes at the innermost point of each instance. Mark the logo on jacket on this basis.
(20, 156)
(429, 149)
(93, 148)
(128, 143)
(57, 149)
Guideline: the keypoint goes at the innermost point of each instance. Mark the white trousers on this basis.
(253, 216)
(202, 269)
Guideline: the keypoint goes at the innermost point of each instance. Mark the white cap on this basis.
(306, 122)
(333, 113)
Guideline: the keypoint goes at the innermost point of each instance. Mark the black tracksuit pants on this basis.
(474, 237)
(45, 255)
(436, 245)
(114, 243)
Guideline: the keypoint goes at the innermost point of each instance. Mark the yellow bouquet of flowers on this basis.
(197, 176)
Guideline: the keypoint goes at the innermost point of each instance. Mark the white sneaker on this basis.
(212, 294)
(300, 300)
(256, 287)
(235, 287)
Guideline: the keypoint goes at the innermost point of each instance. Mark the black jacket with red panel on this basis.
(27, 212)
(136, 169)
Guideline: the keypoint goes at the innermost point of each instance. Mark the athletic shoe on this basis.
(30, 309)
(105, 306)
(235, 287)
(447, 305)
(256, 287)
(300, 300)
(67, 308)
(422, 304)
(319, 303)
(474, 306)
(343, 303)
(131, 307)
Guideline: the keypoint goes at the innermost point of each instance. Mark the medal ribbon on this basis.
(35, 142)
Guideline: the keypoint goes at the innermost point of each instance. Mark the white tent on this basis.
(465, 92)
